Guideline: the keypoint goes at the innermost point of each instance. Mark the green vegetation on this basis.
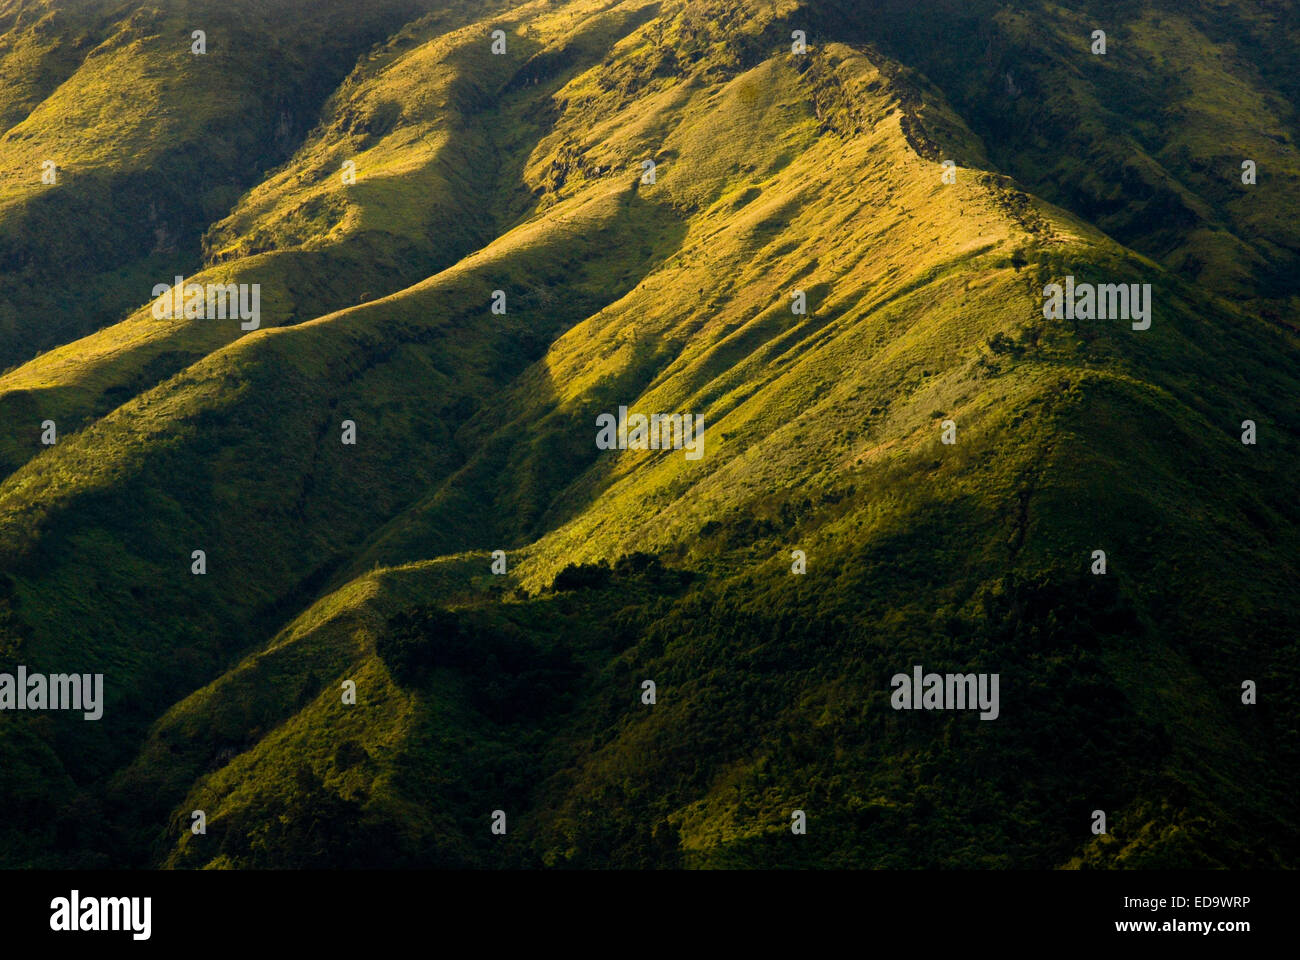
(372, 563)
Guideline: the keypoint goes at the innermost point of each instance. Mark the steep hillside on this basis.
(885, 405)
(1146, 140)
(122, 129)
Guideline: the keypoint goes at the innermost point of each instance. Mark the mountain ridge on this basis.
(775, 172)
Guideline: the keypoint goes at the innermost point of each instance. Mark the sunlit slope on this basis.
(41, 44)
(433, 123)
(776, 204)
(151, 142)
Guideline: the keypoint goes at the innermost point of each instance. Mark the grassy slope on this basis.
(476, 434)
(1146, 141)
(438, 351)
(174, 151)
(1057, 382)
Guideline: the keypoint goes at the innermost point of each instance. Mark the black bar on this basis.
(642, 911)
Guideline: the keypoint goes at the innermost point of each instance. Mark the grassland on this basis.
(774, 173)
